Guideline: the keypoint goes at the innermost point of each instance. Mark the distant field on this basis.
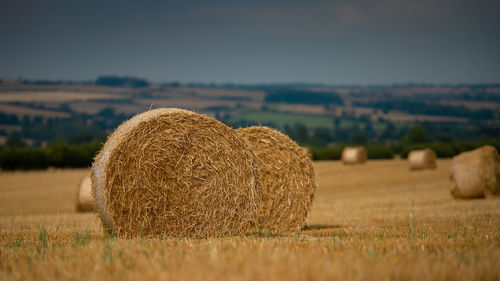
(23, 110)
(281, 119)
(303, 108)
(398, 116)
(53, 96)
(188, 103)
(221, 93)
(474, 105)
(94, 107)
(90, 99)
(378, 221)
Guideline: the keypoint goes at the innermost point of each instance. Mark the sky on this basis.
(258, 41)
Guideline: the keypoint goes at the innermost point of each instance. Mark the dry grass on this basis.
(377, 221)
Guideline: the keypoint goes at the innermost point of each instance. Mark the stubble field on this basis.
(377, 221)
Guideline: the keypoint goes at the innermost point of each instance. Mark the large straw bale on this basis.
(287, 177)
(354, 155)
(84, 200)
(422, 159)
(172, 172)
(308, 151)
(476, 174)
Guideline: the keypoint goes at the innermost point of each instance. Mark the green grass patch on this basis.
(282, 119)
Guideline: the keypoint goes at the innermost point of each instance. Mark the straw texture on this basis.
(287, 177)
(172, 172)
(476, 174)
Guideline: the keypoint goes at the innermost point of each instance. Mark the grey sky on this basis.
(336, 42)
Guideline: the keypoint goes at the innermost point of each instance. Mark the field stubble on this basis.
(377, 221)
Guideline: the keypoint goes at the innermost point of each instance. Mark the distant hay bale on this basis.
(172, 172)
(287, 178)
(422, 159)
(476, 174)
(84, 201)
(354, 155)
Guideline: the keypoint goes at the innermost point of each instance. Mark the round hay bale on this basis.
(308, 151)
(85, 201)
(422, 159)
(287, 178)
(354, 155)
(476, 174)
(172, 172)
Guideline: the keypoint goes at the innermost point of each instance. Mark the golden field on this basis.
(378, 221)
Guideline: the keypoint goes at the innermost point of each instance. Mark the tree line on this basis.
(16, 155)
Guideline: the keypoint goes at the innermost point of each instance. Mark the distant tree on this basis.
(15, 141)
(369, 129)
(107, 112)
(298, 133)
(336, 122)
(418, 134)
(357, 136)
(302, 96)
(444, 137)
(340, 134)
(117, 81)
(174, 84)
(389, 131)
(321, 136)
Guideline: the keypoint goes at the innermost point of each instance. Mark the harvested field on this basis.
(303, 109)
(54, 96)
(377, 221)
(187, 103)
(398, 116)
(474, 105)
(220, 93)
(94, 107)
(23, 110)
(282, 118)
(10, 128)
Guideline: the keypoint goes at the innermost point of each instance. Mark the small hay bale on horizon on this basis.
(422, 159)
(287, 178)
(354, 155)
(476, 174)
(173, 172)
(85, 201)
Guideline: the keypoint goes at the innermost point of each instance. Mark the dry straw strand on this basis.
(172, 172)
(422, 159)
(476, 174)
(354, 155)
(287, 178)
(85, 201)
